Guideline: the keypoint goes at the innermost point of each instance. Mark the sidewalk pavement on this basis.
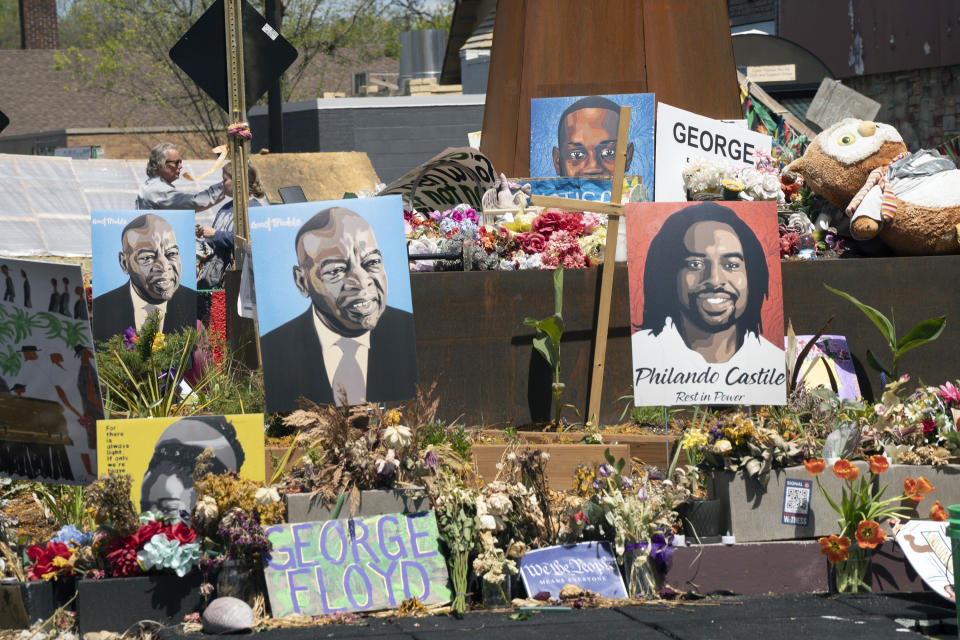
(802, 617)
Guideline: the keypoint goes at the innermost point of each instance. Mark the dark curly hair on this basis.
(666, 257)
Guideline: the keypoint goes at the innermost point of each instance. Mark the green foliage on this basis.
(435, 434)
(9, 24)
(547, 339)
(922, 333)
(145, 381)
(66, 503)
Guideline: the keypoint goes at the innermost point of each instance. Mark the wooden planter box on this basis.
(116, 604)
(23, 603)
(306, 507)
(648, 449)
(561, 466)
(756, 513)
(274, 455)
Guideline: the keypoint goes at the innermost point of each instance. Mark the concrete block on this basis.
(945, 481)
(756, 513)
(305, 507)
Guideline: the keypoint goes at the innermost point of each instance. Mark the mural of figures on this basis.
(138, 269)
(706, 303)
(49, 391)
(328, 319)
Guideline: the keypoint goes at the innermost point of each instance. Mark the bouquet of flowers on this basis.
(861, 509)
(915, 428)
(525, 240)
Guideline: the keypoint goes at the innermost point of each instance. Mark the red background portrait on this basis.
(644, 220)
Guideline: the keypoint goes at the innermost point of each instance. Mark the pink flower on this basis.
(532, 242)
(950, 394)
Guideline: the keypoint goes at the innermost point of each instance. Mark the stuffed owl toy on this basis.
(910, 201)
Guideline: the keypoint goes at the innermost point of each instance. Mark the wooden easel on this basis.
(614, 210)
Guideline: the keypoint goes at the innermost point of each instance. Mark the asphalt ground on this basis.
(803, 617)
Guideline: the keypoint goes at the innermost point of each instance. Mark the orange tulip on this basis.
(923, 486)
(937, 512)
(870, 535)
(843, 469)
(878, 464)
(836, 548)
(815, 466)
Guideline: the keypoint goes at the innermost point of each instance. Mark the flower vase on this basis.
(852, 575)
(241, 579)
(495, 594)
(644, 579)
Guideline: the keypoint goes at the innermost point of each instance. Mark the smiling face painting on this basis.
(151, 258)
(341, 271)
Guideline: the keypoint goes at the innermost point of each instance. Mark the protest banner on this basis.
(455, 176)
(682, 136)
(588, 565)
(359, 564)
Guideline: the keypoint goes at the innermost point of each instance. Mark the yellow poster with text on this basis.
(160, 454)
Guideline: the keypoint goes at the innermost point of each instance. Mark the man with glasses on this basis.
(150, 255)
(158, 192)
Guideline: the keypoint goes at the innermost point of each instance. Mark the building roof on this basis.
(36, 97)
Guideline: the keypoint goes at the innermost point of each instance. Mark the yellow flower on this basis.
(159, 342)
(693, 439)
(391, 418)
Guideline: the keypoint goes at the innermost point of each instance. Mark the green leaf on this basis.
(925, 332)
(545, 348)
(520, 615)
(879, 366)
(558, 291)
(608, 455)
(553, 327)
(880, 320)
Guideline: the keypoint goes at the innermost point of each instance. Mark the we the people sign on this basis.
(358, 564)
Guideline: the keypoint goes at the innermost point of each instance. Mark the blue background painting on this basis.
(105, 238)
(545, 116)
(274, 255)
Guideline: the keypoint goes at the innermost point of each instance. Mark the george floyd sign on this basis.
(682, 135)
(358, 564)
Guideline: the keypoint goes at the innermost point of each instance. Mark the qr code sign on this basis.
(796, 502)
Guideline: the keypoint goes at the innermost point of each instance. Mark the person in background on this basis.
(158, 192)
(219, 237)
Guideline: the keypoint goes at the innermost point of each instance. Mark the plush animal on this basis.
(911, 201)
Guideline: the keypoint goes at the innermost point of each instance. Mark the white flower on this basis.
(545, 456)
(488, 522)
(266, 496)
(397, 437)
(206, 509)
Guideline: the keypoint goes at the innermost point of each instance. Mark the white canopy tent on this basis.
(45, 201)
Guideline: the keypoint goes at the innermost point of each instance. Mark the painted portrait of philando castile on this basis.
(706, 304)
(341, 340)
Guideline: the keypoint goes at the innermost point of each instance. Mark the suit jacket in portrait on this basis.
(293, 362)
(113, 312)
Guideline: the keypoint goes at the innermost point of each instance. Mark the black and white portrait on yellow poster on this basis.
(706, 306)
(49, 390)
(333, 302)
(160, 454)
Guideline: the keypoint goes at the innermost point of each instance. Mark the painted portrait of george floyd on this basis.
(706, 305)
(333, 302)
(160, 455)
(142, 262)
(577, 136)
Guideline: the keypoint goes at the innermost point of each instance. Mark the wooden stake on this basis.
(614, 210)
(237, 96)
